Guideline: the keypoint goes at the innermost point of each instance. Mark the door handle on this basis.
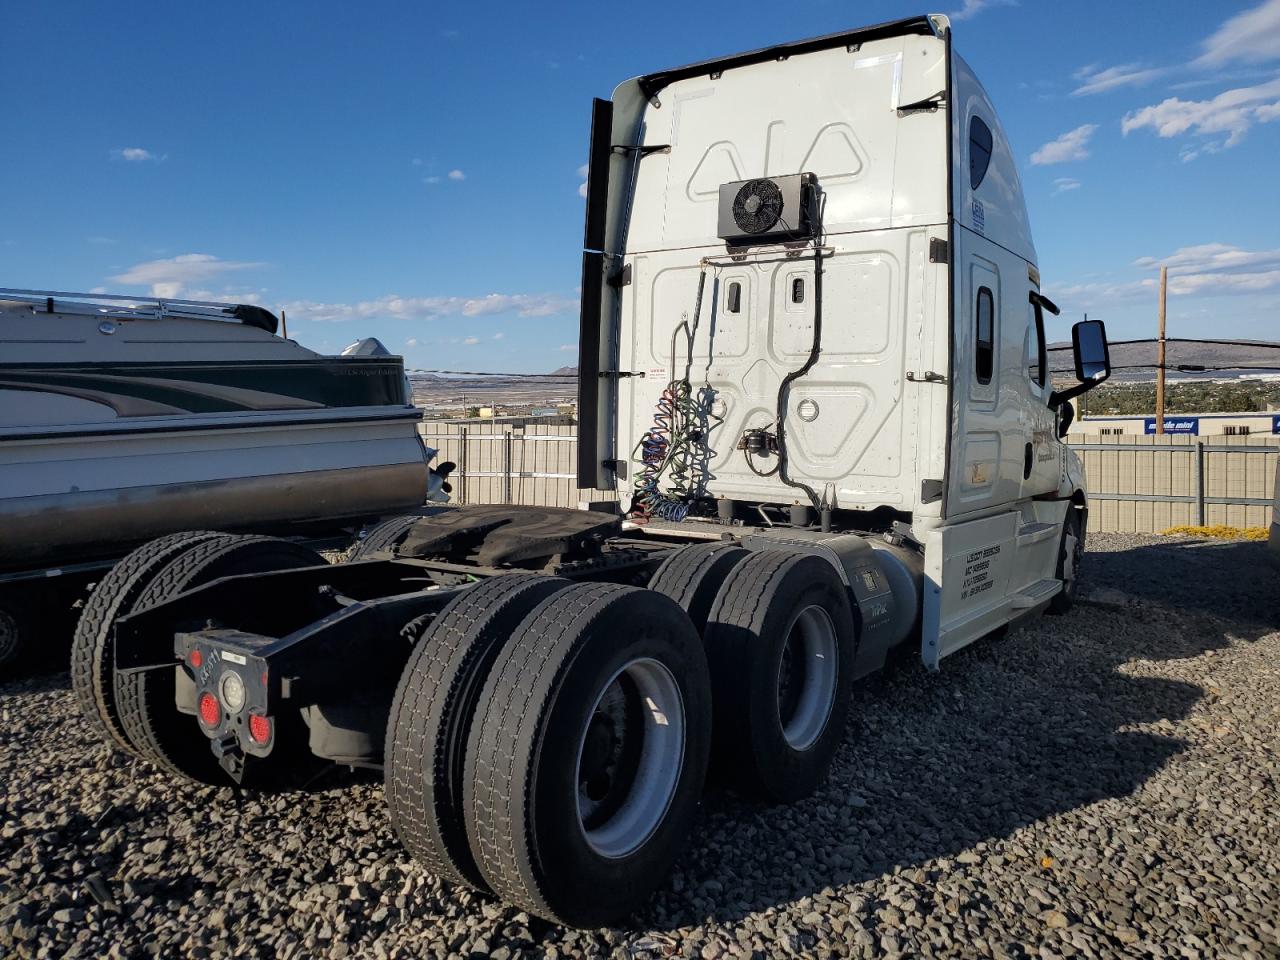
(1027, 454)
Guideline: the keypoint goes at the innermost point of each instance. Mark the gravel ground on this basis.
(1094, 785)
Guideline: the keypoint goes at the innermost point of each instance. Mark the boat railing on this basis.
(119, 306)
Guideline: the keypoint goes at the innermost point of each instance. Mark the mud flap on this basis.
(967, 569)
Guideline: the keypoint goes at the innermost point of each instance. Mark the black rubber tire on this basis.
(746, 639)
(432, 712)
(520, 786)
(1065, 599)
(93, 644)
(692, 576)
(385, 536)
(17, 626)
(160, 734)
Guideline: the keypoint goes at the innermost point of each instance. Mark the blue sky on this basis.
(411, 171)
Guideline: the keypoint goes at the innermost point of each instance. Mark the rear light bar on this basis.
(233, 688)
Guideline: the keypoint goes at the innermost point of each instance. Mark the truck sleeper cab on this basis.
(813, 364)
(871, 355)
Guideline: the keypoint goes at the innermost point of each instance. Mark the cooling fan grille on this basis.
(757, 208)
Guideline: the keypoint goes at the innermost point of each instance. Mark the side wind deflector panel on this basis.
(589, 340)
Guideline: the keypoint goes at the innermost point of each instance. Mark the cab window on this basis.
(979, 151)
(1036, 354)
(984, 335)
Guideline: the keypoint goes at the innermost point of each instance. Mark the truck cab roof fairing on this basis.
(651, 84)
(996, 207)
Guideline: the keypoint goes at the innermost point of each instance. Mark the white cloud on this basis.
(1210, 257)
(169, 277)
(136, 155)
(1250, 37)
(430, 179)
(457, 175)
(527, 305)
(97, 289)
(411, 342)
(582, 187)
(1072, 145)
(971, 8)
(1092, 80)
(431, 308)
(1228, 116)
(568, 348)
(470, 341)
(499, 335)
(1203, 270)
(1063, 184)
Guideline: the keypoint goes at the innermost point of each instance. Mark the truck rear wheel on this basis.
(161, 734)
(93, 644)
(588, 753)
(384, 536)
(780, 643)
(432, 712)
(693, 575)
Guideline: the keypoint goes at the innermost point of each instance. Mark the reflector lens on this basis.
(259, 728)
(210, 712)
(196, 659)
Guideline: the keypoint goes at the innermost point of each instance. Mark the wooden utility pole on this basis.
(1164, 289)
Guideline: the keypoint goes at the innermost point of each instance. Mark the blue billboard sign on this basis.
(1275, 423)
(1189, 425)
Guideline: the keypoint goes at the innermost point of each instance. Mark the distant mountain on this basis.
(1142, 357)
(565, 372)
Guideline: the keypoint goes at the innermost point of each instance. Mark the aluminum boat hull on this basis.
(76, 495)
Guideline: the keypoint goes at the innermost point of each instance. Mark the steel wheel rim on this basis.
(9, 637)
(626, 779)
(807, 672)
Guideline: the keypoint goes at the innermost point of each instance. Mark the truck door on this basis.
(989, 411)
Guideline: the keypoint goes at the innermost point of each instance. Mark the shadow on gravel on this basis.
(1011, 731)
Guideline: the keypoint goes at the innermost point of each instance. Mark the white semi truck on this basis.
(813, 365)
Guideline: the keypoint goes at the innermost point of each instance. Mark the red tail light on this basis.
(196, 659)
(210, 712)
(259, 728)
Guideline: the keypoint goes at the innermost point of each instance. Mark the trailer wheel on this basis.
(15, 635)
(93, 644)
(588, 753)
(383, 536)
(780, 643)
(161, 735)
(693, 575)
(1070, 556)
(432, 712)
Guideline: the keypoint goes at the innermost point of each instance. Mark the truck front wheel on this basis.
(1070, 556)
